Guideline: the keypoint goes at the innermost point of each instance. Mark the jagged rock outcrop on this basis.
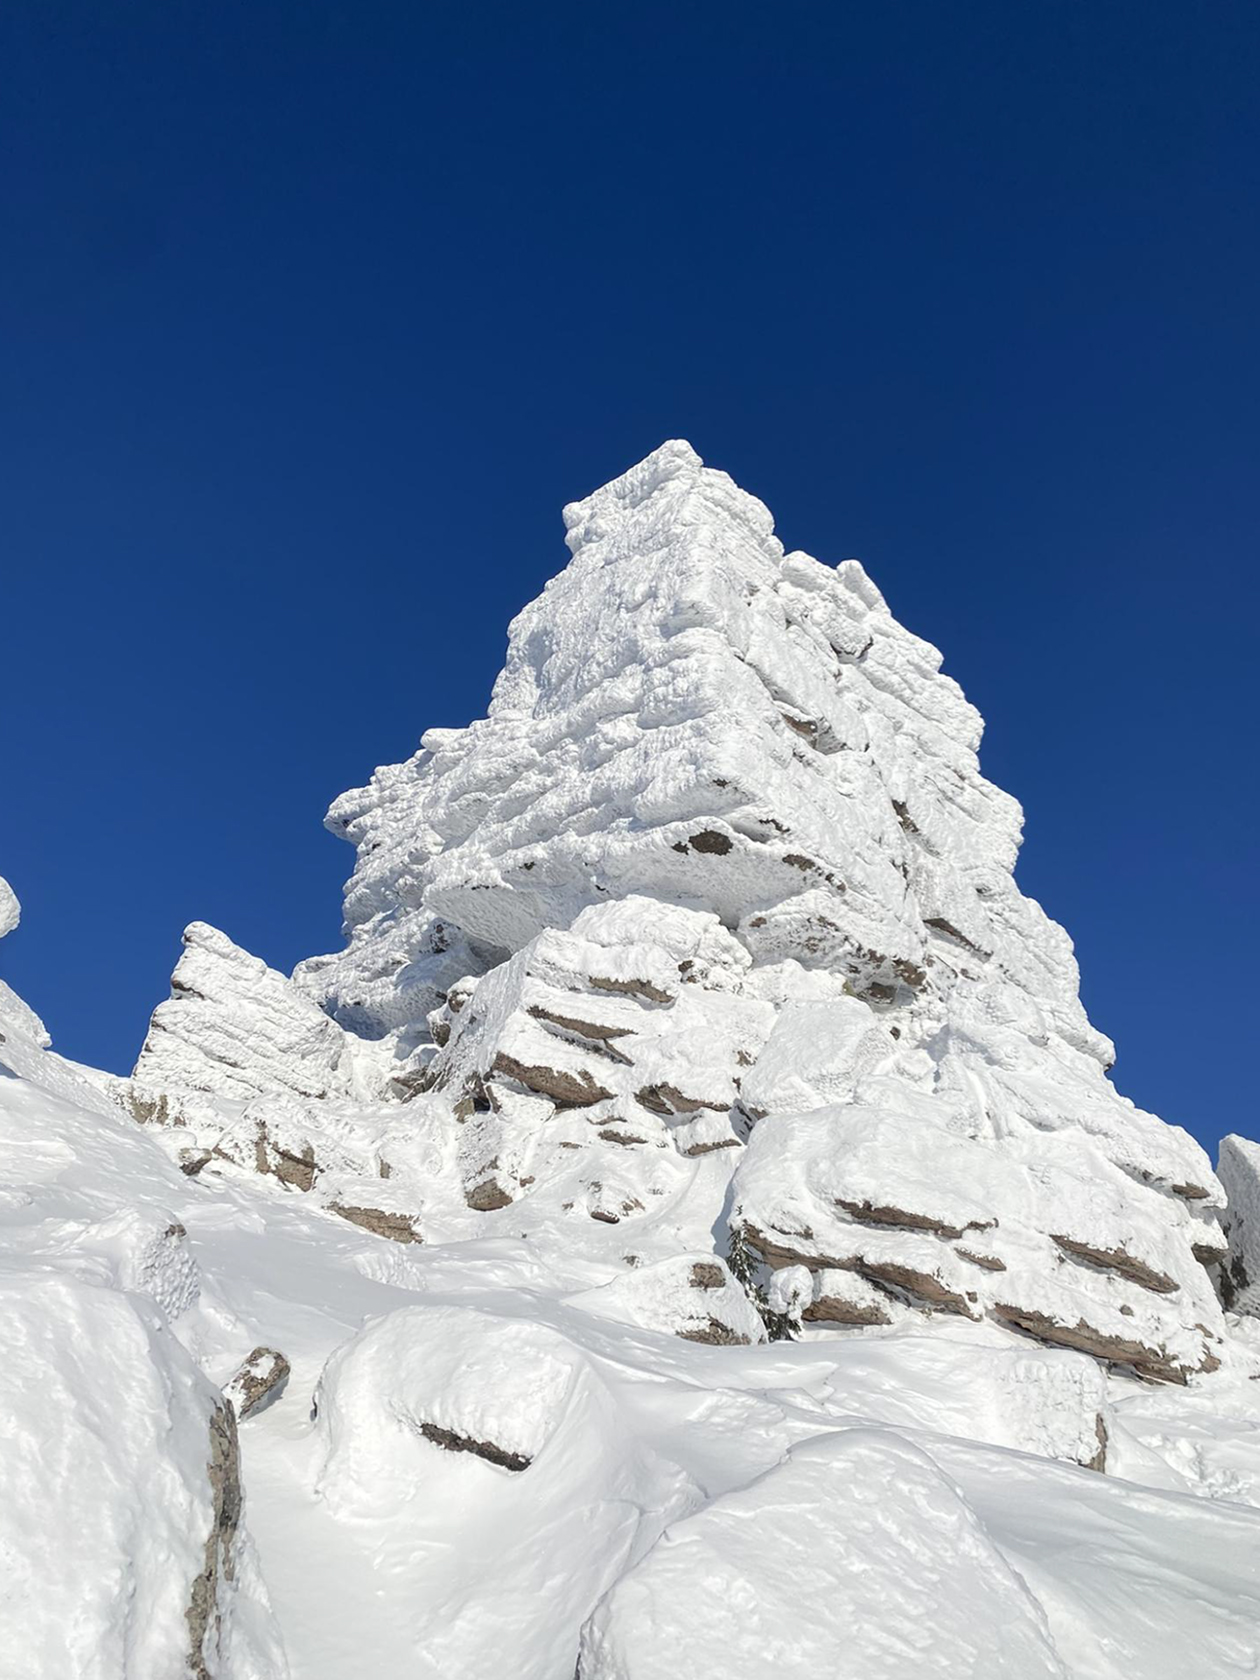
(720, 861)
(696, 1181)
(234, 1030)
(1042, 1233)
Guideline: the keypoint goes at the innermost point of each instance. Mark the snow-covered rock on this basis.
(16, 1016)
(721, 856)
(699, 1223)
(1043, 1234)
(234, 1029)
(120, 1497)
(10, 910)
(1239, 1169)
(857, 1559)
(692, 1296)
(493, 1445)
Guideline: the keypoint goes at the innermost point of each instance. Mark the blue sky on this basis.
(314, 314)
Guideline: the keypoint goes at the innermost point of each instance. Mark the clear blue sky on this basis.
(314, 314)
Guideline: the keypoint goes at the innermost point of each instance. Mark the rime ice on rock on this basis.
(1239, 1168)
(234, 1029)
(719, 868)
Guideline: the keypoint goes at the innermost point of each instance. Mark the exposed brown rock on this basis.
(626, 1138)
(807, 728)
(832, 1309)
(630, 988)
(707, 1274)
(1118, 1260)
(712, 841)
(940, 925)
(262, 1377)
(398, 1227)
(866, 1214)
(668, 1099)
(924, 1285)
(149, 1111)
(1192, 1192)
(776, 1254)
(904, 818)
(487, 1196)
(571, 1023)
(566, 1090)
(297, 1171)
(492, 1454)
(989, 1262)
(1099, 1460)
(714, 1334)
(1116, 1350)
(203, 1614)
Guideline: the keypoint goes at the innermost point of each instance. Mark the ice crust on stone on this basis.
(689, 1227)
(1240, 1268)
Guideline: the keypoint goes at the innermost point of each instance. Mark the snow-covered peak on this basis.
(718, 875)
(691, 1214)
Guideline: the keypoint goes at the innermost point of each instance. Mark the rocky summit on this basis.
(689, 1227)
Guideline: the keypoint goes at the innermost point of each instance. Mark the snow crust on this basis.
(688, 1229)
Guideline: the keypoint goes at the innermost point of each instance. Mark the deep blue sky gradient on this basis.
(314, 314)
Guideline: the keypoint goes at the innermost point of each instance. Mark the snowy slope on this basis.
(689, 1229)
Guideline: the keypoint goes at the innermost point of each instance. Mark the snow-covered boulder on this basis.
(120, 1510)
(491, 1445)
(856, 1559)
(721, 855)
(1045, 1235)
(692, 1296)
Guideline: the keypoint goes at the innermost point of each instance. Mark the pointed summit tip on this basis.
(674, 459)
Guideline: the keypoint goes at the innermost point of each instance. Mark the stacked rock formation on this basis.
(716, 886)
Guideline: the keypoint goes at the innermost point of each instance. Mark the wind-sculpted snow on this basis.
(688, 1229)
(781, 1578)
